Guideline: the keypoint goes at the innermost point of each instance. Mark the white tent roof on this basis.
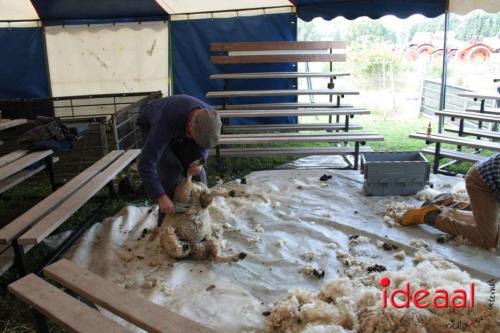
(463, 7)
(17, 10)
(195, 6)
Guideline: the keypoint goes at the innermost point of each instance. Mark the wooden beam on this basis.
(280, 106)
(72, 203)
(61, 308)
(124, 303)
(295, 137)
(469, 115)
(22, 175)
(478, 95)
(268, 46)
(277, 58)
(9, 232)
(287, 151)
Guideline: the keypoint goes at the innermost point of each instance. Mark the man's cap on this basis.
(205, 128)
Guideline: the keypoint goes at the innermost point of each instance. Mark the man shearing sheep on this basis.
(177, 132)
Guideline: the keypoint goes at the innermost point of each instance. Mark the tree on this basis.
(369, 32)
(478, 25)
(433, 25)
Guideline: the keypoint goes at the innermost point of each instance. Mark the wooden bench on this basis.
(447, 153)
(8, 123)
(19, 165)
(439, 139)
(32, 227)
(474, 132)
(75, 316)
(469, 115)
(282, 106)
(276, 75)
(284, 92)
(234, 129)
(288, 151)
(259, 138)
(486, 110)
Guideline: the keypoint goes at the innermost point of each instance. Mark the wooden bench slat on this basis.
(9, 232)
(285, 92)
(15, 155)
(292, 112)
(486, 110)
(22, 175)
(287, 127)
(259, 138)
(479, 95)
(279, 106)
(283, 45)
(275, 75)
(63, 309)
(7, 123)
(457, 141)
(124, 303)
(56, 217)
(277, 58)
(455, 154)
(23, 162)
(469, 115)
(475, 132)
(288, 151)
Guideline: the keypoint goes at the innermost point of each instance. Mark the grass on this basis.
(14, 315)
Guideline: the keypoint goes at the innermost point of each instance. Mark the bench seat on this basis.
(475, 132)
(22, 175)
(459, 141)
(469, 157)
(287, 151)
(281, 106)
(284, 92)
(276, 75)
(18, 160)
(486, 110)
(480, 96)
(469, 115)
(259, 138)
(293, 112)
(78, 317)
(8, 123)
(287, 128)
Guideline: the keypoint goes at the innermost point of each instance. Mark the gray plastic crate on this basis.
(394, 173)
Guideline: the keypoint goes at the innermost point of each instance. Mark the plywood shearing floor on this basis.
(300, 222)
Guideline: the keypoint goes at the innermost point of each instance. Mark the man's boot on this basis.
(427, 215)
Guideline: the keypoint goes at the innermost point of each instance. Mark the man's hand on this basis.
(194, 168)
(166, 205)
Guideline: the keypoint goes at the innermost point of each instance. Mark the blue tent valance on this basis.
(53, 12)
(351, 9)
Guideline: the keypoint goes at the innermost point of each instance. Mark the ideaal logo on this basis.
(440, 298)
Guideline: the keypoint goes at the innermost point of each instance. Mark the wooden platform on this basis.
(285, 92)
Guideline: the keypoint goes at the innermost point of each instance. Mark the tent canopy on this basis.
(77, 12)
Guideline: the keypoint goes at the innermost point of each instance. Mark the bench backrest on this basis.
(278, 52)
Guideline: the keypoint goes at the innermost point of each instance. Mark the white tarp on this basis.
(100, 59)
(463, 7)
(301, 221)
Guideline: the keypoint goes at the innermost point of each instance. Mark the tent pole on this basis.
(444, 73)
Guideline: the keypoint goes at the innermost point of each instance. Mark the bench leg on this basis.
(356, 155)
(41, 322)
(220, 162)
(50, 169)
(19, 259)
(437, 157)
